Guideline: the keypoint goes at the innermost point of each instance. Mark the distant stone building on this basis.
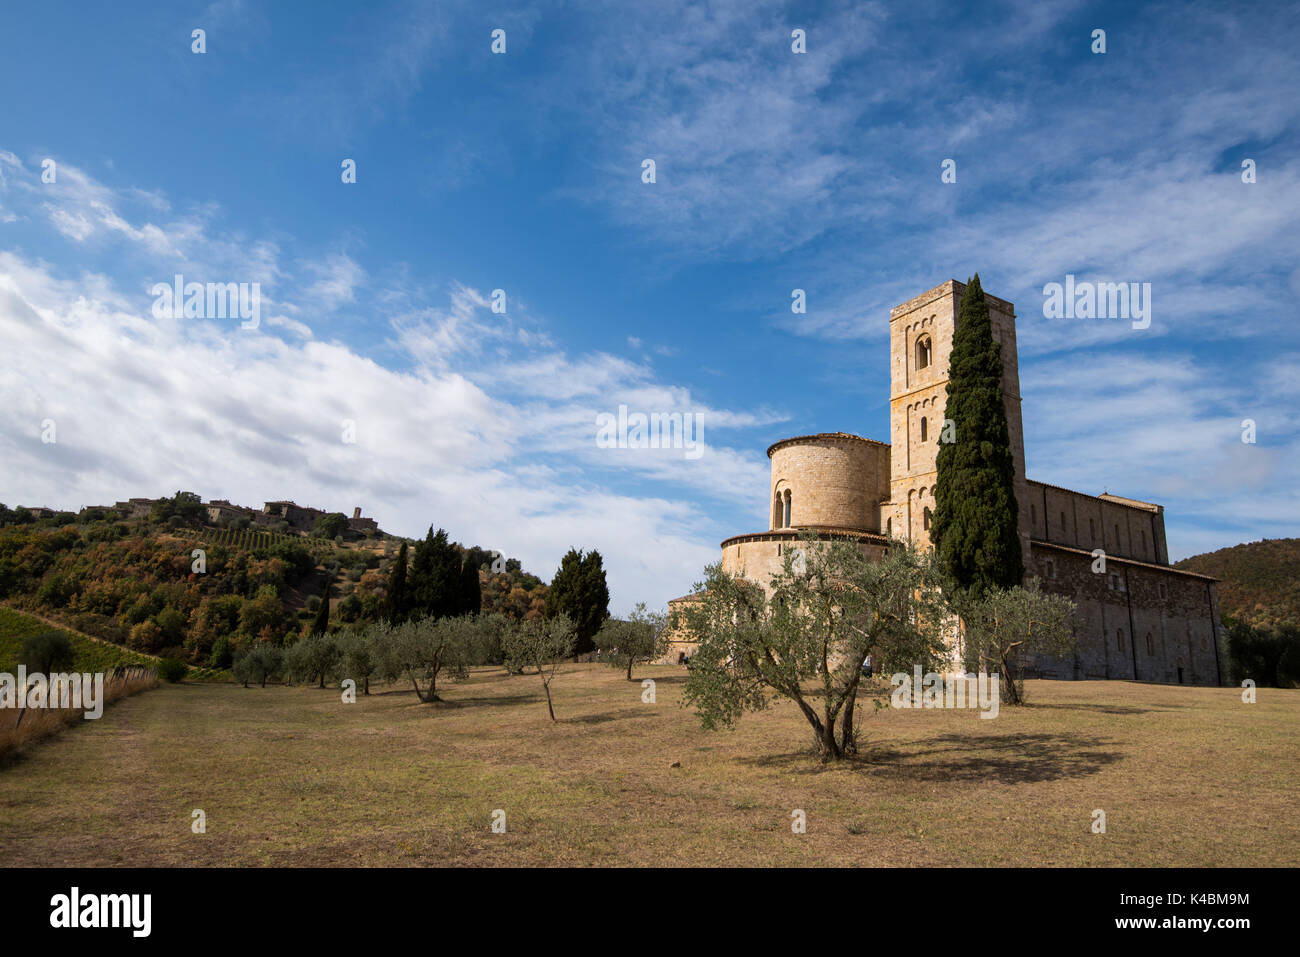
(361, 525)
(1140, 618)
(219, 509)
(299, 517)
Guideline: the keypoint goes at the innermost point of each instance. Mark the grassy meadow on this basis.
(292, 776)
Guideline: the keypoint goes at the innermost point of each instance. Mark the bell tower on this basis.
(920, 344)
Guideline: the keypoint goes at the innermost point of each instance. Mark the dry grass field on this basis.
(291, 776)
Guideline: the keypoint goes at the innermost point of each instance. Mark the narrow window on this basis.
(925, 519)
(1051, 570)
(889, 528)
(923, 352)
(787, 508)
(1092, 530)
(1117, 536)
(1119, 638)
(924, 429)
(1144, 542)
(1162, 590)
(1063, 522)
(1151, 648)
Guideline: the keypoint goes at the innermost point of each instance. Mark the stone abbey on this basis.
(1138, 617)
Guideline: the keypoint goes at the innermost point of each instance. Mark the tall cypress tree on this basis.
(321, 624)
(580, 591)
(974, 527)
(397, 597)
(434, 583)
(471, 592)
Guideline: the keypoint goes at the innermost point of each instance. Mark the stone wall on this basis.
(833, 479)
(1172, 614)
(1120, 527)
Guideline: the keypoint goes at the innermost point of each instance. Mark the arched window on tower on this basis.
(925, 520)
(787, 509)
(923, 352)
(777, 511)
(925, 430)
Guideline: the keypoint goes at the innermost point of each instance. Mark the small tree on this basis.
(358, 655)
(257, 662)
(313, 657)
(1009, 625)
(47, 651)
(831, 605)
(330, 525)
(642, 637)
(543, 645)
(422, 649)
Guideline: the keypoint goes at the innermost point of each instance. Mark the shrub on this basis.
(223, 655)
(172, 669)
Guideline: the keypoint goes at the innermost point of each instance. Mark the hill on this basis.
(90, 654)
(134, 582)
(1260, 580)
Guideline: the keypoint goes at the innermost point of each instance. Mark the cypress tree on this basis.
(471, 592)
(434, 582)
(580, 591)
(974, 526)
(321, 623)
(397, 597)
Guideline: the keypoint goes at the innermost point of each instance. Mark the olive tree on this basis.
(642, 637)
(313, 657)
(258, 662)
(541, 644)
(358, 655)
(1007, 626)
(422, 649)
(830, 605)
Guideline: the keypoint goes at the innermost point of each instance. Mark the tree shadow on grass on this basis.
(485, 701)
(1103, 708)
(1007, 759)
(606, 716)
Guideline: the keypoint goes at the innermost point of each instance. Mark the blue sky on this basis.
(522, 172)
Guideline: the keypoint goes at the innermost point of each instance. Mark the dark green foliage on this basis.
(398, 601)
(434, 582)
(296, 556)
(223, 653)
(579, 591)
(47, 651)
(974, 526)
(1268, 656)
(183, 506)
(350, 609)
(322, 623)
(330, 525)
(172, 669)
(471, 592)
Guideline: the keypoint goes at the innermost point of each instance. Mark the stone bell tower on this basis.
(920, 343)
